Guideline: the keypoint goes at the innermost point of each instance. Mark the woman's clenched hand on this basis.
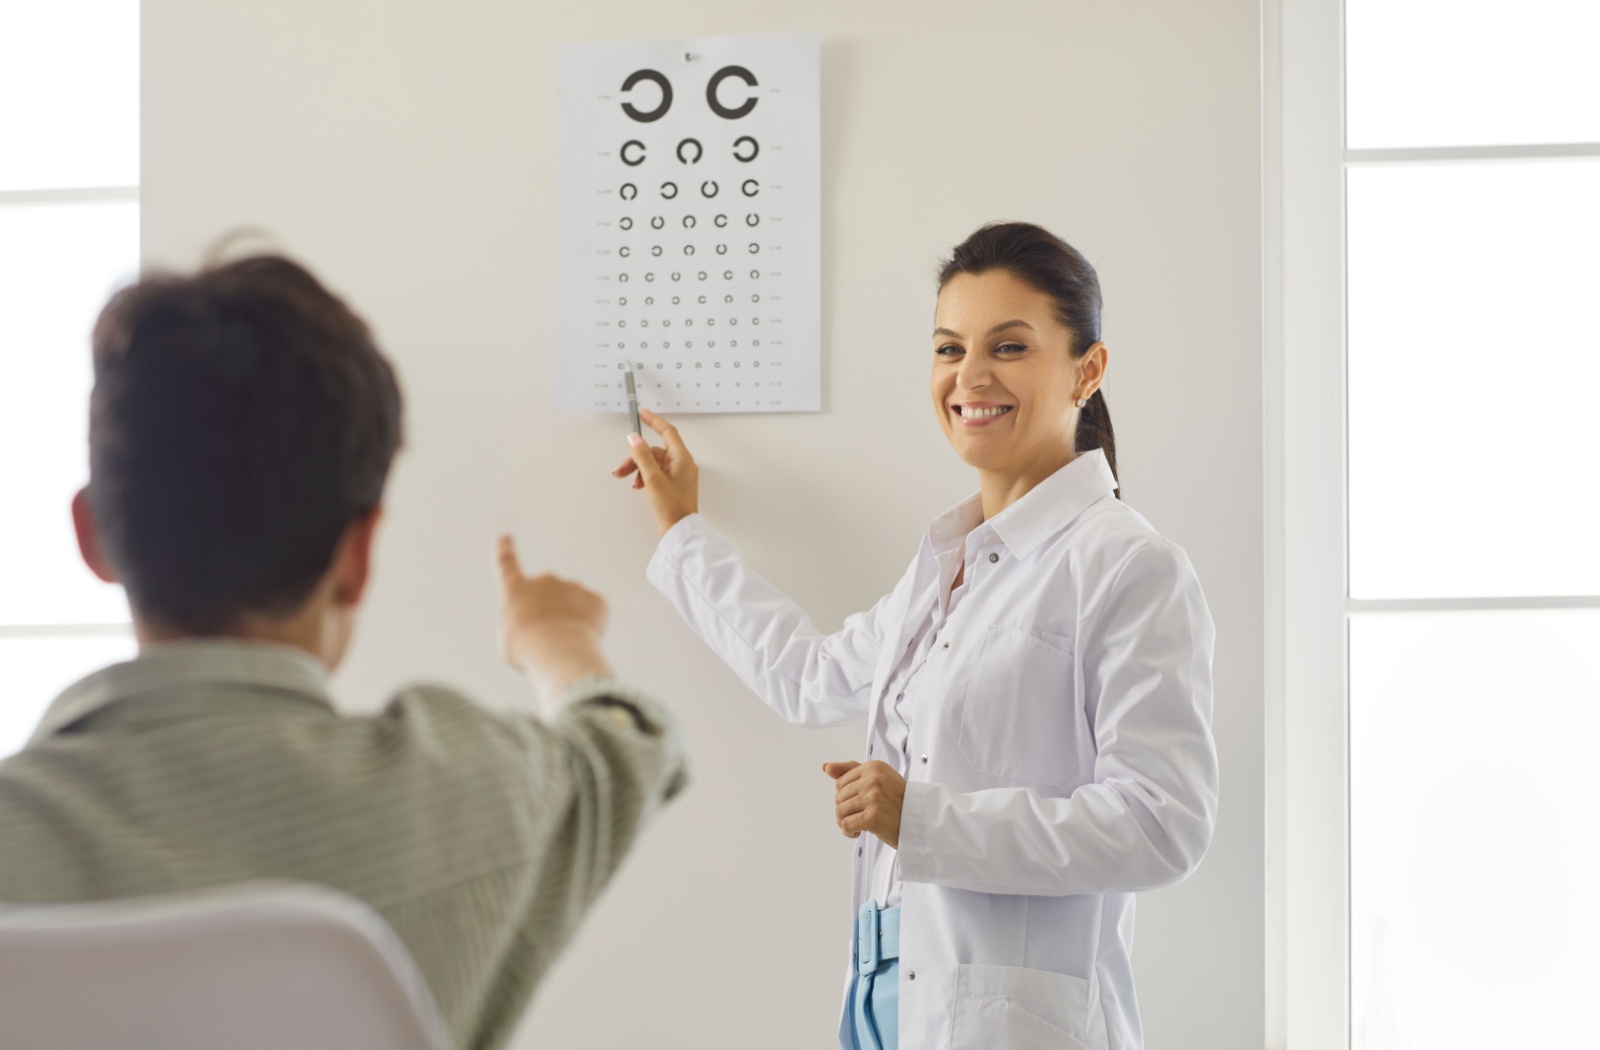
(867, 797)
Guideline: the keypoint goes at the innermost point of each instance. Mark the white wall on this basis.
(405, 151)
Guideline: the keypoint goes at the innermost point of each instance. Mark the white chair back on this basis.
(258, 966)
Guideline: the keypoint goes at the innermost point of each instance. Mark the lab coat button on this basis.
(924, 759)
(993, 558)
(947, 645)
(912, 976)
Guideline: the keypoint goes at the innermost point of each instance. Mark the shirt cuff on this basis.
(667, 561)
(602, 690)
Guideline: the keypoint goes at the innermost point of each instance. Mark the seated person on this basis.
(241, 429)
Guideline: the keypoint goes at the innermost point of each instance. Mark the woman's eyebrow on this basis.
(996, 330)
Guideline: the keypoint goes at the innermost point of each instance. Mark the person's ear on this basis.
(83, 524)
(352, 561)
(1092, 370)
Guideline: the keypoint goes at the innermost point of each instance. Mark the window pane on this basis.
(1471, 72)
(1474, 361)
(1474, 829)
(69, 93)
(37, 669)
(58, 262)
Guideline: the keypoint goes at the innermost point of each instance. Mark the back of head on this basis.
(241, 420)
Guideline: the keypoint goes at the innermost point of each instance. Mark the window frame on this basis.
(50, 196)
(1304, 165)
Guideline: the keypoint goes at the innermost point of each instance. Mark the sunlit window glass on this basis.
(69, 94)
(1425, 73)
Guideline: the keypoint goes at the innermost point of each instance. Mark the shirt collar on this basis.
(1049, 507)
(192, 662)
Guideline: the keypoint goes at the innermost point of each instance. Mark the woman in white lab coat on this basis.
(1037, 687)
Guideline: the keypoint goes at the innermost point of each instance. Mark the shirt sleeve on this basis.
(1147, 817)
(616, 757)
(807, 677)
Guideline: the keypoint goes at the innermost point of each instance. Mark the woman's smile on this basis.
(979, 413)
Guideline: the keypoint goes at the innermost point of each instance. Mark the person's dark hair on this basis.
(1033, 254)
(241, 420)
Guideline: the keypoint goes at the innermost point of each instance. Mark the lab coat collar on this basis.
(191, 662)
(1049, 507)
(949, 530)
(1054, 503)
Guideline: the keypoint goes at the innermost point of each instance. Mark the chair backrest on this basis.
(257, 966)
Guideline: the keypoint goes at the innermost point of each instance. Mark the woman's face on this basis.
(1005, 383)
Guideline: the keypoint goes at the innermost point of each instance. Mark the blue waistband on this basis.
(877, 936)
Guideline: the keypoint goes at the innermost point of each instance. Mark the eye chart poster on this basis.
(690, 205)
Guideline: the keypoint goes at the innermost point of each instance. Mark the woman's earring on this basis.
(1082, 401)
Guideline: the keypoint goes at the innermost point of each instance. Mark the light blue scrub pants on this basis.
(875, 989)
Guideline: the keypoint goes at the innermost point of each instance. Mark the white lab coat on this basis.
(1063, 756)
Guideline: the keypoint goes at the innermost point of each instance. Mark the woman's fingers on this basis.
(844, 775)
(668, 432)
(848, 790)
(867, 798)
(644, 458)
(669, 476)
(661, 458)
(854, 824)
(628, 466)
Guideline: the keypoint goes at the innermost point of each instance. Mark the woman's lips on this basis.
(980, 415)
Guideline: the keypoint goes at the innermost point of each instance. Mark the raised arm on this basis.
(807, 677)
(598, 766)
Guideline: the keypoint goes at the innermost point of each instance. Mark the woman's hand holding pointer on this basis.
(668, 475)
(868, 798)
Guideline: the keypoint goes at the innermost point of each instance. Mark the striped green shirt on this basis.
(481, 837)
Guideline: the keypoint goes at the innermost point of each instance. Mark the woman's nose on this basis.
(973, 373)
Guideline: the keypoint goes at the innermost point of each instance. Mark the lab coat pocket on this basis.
(1020, 718)
(1014, 1008)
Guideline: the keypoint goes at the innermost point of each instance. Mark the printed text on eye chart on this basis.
(690, 224)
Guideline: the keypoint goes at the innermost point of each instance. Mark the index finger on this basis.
(668, 432)
(850, 776)
(506, 558)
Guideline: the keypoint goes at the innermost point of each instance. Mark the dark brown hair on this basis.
(241, 420)
(1033, 254)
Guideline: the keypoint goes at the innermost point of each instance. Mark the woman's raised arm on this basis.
(807, 677)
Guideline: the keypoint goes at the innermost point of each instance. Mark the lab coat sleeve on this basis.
(1147, 817)
(808, 678)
